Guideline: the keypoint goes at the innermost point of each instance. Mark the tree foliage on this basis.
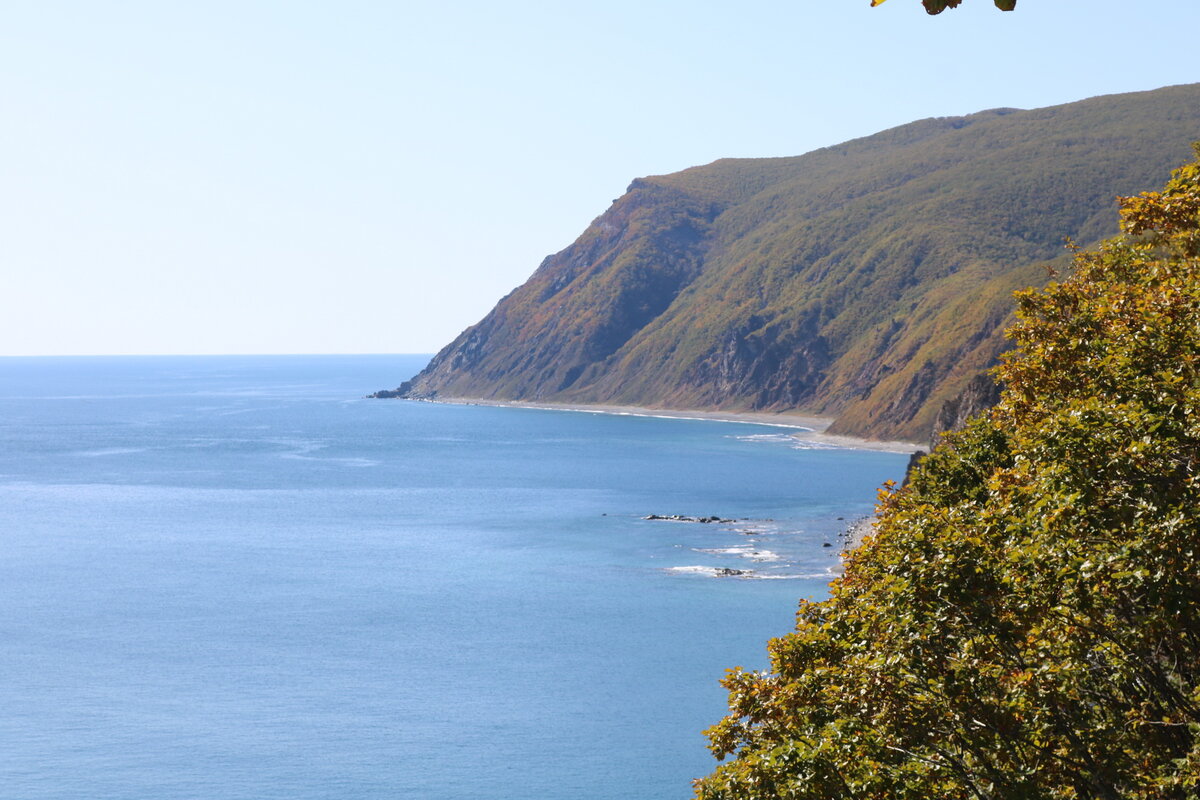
(938, 6)
(1026, 621)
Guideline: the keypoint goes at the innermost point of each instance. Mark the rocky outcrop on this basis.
(979, 395)
(767, 366)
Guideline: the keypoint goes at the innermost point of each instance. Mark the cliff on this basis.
(870, 281)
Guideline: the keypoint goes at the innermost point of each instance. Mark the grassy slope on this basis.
(869, 280)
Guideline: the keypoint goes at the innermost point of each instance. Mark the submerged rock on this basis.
(682, 518)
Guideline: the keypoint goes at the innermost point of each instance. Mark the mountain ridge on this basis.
(869, 281)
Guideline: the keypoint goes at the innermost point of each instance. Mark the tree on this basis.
(938, 6)
(1025, 623)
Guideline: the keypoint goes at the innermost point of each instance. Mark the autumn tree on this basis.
(938, 6)
(1025, 623)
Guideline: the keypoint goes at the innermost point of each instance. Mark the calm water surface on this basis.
(230, 577)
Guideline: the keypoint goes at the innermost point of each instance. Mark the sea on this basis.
(233, 577)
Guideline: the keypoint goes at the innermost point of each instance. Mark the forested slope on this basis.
(868, 281)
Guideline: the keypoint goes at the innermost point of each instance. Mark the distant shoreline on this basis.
(809, 428)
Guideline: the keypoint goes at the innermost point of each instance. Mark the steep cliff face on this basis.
(869, 281)
(981, 393)
(582, 305)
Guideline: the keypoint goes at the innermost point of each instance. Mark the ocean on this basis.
(232, 577)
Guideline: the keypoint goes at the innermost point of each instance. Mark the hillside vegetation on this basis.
(870, 281)
(1026, 622)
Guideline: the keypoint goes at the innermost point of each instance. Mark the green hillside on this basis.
(868, 281)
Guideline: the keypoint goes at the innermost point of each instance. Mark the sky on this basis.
(371, 177)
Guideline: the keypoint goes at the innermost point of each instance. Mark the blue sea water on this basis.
(231, 577)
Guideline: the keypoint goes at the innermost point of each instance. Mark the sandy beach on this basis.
(806, 428)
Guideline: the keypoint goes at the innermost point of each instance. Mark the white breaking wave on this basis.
(709, 572)
(110, 451)
(791, 440)
(742, 551)
(804, 576)
(749, 575)
(806, 444)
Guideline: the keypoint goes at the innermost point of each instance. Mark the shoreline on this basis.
(808, 428)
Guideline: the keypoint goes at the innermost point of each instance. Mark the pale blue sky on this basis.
(321, 177)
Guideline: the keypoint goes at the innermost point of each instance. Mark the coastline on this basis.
(808, 428)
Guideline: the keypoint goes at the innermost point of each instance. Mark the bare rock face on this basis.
(765, 366)
(979, 395)
(582, 305)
